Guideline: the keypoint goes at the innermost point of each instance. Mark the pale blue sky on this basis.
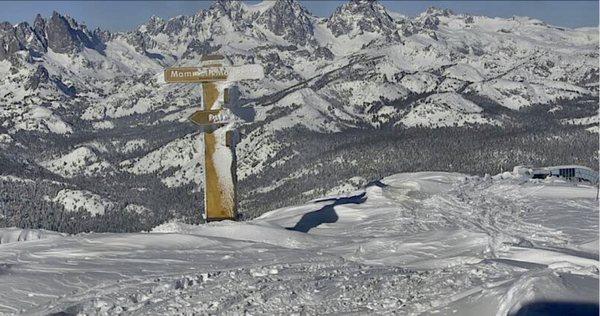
(125, 15)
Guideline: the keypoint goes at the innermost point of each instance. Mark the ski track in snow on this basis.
(427, 242)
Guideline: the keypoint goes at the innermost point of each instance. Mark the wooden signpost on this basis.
(220, 180)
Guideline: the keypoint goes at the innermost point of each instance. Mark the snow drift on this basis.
(412, 243)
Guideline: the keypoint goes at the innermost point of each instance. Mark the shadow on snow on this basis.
(326, 214)
(548, 308)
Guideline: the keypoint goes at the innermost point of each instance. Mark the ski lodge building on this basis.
(571, 172)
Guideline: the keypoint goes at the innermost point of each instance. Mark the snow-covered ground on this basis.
(430, 242)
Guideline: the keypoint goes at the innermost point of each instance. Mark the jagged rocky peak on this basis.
(290, 20)
(9, 42)
(154, 25)
(23, 31)
(359, 16)
(65, 35)
(39, 24)
(435, 11)
(39, 29)
(233, 13)
(21, 37)
(232, 9)
(175, 25)
(102, 36)
(141, 37)
(60, 35)
(430, 18)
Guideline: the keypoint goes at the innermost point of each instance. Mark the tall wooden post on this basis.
(220, 183)
(220, 179)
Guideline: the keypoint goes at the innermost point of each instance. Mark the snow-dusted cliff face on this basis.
(332, 86)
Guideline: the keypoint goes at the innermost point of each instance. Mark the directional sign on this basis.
(216, 74)
(206, 117)
(195, 74)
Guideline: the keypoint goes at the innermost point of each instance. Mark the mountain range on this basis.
(93, 138)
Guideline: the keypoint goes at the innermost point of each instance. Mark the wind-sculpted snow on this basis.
(412, 243)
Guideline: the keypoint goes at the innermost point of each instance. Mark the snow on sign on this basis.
(220, 181)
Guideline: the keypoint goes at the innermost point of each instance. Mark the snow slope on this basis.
(80, 161)
(74, 200)
(428, 242)
(183, 153)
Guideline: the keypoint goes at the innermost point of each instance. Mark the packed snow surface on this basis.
(413, 243)
(13, 234)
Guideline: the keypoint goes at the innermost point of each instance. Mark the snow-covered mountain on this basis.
(88, 110)
(411, 244)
